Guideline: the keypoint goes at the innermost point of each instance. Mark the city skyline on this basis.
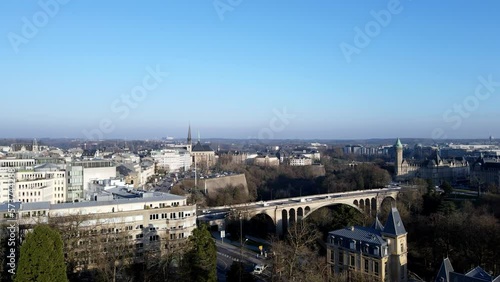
(327, 70)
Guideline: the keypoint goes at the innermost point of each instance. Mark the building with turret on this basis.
(379, 252)
(435, 167)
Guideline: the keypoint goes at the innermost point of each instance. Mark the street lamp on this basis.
(241, 245)
(241, 268)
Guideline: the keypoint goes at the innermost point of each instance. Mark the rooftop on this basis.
(146, 198)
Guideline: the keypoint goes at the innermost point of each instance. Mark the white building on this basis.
(96, 169)
(8, 169)
(172, 160)
(40, 185)
(7, 184)
(148, 222)
(300, 161)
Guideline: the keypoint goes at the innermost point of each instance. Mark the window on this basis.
(402, 247)
(375, 268)
(353, 262)
(341, 258)
(366, 265)
(353, 245)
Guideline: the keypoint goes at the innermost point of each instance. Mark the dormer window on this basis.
(353, 244)
(332, 239)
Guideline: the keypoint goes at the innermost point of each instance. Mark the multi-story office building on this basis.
(7, 184)
(172, 160)
(74, 182)
(96, 169)
(380, 252)
(28, 183)
(17, 163)
(144, 222)
(44, 183)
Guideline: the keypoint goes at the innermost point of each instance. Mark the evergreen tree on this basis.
(200, 262)
(447, 188)
(41, 257)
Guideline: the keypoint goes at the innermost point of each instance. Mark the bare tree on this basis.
(296, 258)
(96, 244)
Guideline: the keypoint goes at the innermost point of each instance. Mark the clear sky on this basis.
(234, 64)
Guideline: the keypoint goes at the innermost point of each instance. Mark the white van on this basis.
(259, 268)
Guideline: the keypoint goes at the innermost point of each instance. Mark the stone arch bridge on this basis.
(286, 211)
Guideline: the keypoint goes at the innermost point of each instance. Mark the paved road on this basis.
(227, 253)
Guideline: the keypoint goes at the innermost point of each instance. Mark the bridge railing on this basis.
(305, 198)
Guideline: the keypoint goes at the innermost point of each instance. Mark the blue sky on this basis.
(229, 73)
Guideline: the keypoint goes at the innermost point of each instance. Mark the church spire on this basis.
(189, 134)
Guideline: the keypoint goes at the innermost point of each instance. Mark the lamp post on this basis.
(241, 245)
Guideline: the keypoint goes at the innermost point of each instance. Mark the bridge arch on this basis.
(284, 222)
(300, 213)
(262, 224)
(307, 211)
(292, 216)
(333, 204)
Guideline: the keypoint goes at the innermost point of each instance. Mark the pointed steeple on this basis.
(377, 225)
(35, 145)
(198, 136)
(398, 144)
(189, 134)
(394, 225)
(444, 271)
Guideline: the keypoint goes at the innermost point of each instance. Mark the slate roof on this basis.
(377, 225)
(447, 274)
(126, 169)
(394, 224)
(479, 273)
(444, 271)
(89, 153)
(201, 148)
(363, 234)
